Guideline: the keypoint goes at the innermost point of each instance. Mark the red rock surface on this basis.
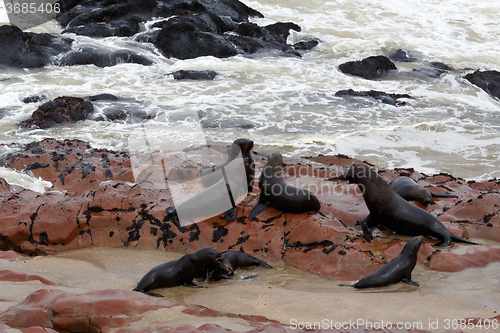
(89, 210)
(8, 275)
(95, 212)
(106, 310)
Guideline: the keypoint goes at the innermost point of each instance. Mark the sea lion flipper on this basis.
(410, 282)
(175, 218)
(148, 293)
(230, 215)
(259, 208)
(191, 284)
(367, 225)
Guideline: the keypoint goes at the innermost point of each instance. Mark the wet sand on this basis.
(288, 295)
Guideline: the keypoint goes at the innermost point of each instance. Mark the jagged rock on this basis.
(194, 75)
(31, 50)
(370, 68)
(34, 98)
(401, 56)
(489, 81)
(194, 28)
(391, 99)
(96, 212)
(59, 111)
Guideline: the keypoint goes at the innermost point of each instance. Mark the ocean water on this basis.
(288, 104)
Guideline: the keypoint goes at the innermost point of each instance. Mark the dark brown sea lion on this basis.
(410, 190)
(182, 271)
(210, 177)
(398, 270)
(232, 260)
(392, 211)
(276, 192)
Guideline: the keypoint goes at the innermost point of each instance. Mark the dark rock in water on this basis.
(34, 98)
(369, 68)
(489, 81)
(121, 28)
(392, 99)
(59, 111)
(401, 56)
(440, 65)
(102, 58)
(31, 50)
(194, 28)
(4, 112)
(194, 75)
(306, 45)
(102, 97)
(425, 73)
(126, 114)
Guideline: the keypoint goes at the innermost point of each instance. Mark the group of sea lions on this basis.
(387, 203)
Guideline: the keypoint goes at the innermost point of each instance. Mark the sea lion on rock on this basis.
(410, 190)
(398, 270)
(232, 260)
(392, 211)
(276, 192)
(210, 177)
(182, 271)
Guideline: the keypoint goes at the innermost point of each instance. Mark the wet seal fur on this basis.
(398, 270)
(232, 260)
(410, 190)
(209, 178)
(392, 211)
(182, 271)
(276, 192)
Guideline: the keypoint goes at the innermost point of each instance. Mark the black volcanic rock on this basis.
(391, 99)
(31, 50)
(370, 68)
(205, 75)
(489, 81)
(218, 28)
(59, 111)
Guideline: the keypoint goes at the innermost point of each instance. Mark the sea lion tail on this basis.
(462, 240)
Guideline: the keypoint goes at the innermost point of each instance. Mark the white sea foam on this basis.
(287, 103)
(24, 180)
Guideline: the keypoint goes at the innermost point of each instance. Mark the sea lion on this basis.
(210, 177)
(214, 200)
(410, 190)
(182, 271)
(232, 260)
(398, 270)
(276, 192)
(392, 211)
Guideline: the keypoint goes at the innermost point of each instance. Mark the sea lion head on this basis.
(240, 145)
(358, 173)
(413, 245)
(208, 256)
(276, 160)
